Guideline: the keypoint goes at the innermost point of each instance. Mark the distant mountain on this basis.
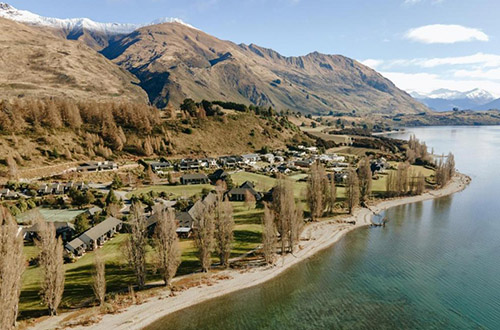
(446, 100)
(36, 63)
(174, 61)
(94, 34)
(492, 105)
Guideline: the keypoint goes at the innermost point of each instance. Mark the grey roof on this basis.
(194, 176)
(93, 210)
(100, 230)
(74, 244)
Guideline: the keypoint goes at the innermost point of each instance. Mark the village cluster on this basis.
(200, 171)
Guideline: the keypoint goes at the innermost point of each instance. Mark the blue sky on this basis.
(419, 44)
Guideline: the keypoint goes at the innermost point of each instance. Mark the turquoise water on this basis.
(436, 265)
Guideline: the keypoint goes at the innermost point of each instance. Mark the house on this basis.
(97, 166)
(94, 210)
(185, 220)
(8, 194)
(208, 163)
(219, 175)
(305, 163)
(189, 164)
(98, 235)
(81, 186)
(160, 166)
(76, 246)
(267, 158)
(250, 158)
(64, 229)
(339, 177)
(228, 161)
(240, 193)
(195, 178)
(57, 189)
(44, 189)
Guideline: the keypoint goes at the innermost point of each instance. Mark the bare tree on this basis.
(352, 190)
(331, 196)
(420, 186)
(316, 188)
(285, 214)
(167, 257)
(249, 199)
(365, 179)
(224, 226)
(12, 166)
(296, 226)
(204, 229)
(51, 264)
(136, 244)
(12, 265)
(99, 278)
(269, 238)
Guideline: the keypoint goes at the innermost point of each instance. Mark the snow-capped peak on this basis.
(447, 94)
(70, 24)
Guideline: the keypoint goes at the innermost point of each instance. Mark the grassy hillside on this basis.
(35, 62)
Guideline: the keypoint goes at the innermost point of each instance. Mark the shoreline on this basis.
(315, 238)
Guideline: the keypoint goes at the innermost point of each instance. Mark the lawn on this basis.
(264, 183)
(78, 290)
(52, 214)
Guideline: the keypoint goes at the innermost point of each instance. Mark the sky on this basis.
(421, 45)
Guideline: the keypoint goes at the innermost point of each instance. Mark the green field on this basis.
(78, 290)
(52, 214)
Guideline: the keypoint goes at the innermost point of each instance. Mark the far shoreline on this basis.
(316, 237)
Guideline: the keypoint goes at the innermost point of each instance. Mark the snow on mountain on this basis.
(76, 24)
(475, 94)
(446, 100)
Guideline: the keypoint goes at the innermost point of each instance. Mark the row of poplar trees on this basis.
(13, 263)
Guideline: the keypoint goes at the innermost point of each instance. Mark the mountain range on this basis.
(447, 100)
(172, 61)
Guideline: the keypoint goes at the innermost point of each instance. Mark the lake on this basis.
(436, 265)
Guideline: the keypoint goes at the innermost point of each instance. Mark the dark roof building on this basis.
(195, 178)
(240, 193)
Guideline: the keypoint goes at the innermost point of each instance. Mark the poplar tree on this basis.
(167, 255)
(12, 265)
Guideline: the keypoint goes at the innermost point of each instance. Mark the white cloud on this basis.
(372, 63)
(479, 59)
(445, 34)
(428, 82)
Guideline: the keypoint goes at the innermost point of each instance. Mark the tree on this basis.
(224, 225)
(117, 182)
(51, 265)
(166, 245)
(365, 179)
(81, 223)
(111, 197)
(135, 248)
(316, 188)
(189, 106)
(12, 166)
(420, 187)
(249, 199)
(99, 278)
(269, 238)
(331, 196)
(285, 214)
(352, 190)
(12, 265)
(204, 229)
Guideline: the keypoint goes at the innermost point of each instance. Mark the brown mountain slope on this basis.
(35, 62)
(174, 62)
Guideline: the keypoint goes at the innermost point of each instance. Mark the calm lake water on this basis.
(435, 266)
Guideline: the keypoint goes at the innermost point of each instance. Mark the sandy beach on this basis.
(316, 237)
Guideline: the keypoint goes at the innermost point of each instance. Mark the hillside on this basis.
(37, 133)
(174, 61)
(37, 63)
